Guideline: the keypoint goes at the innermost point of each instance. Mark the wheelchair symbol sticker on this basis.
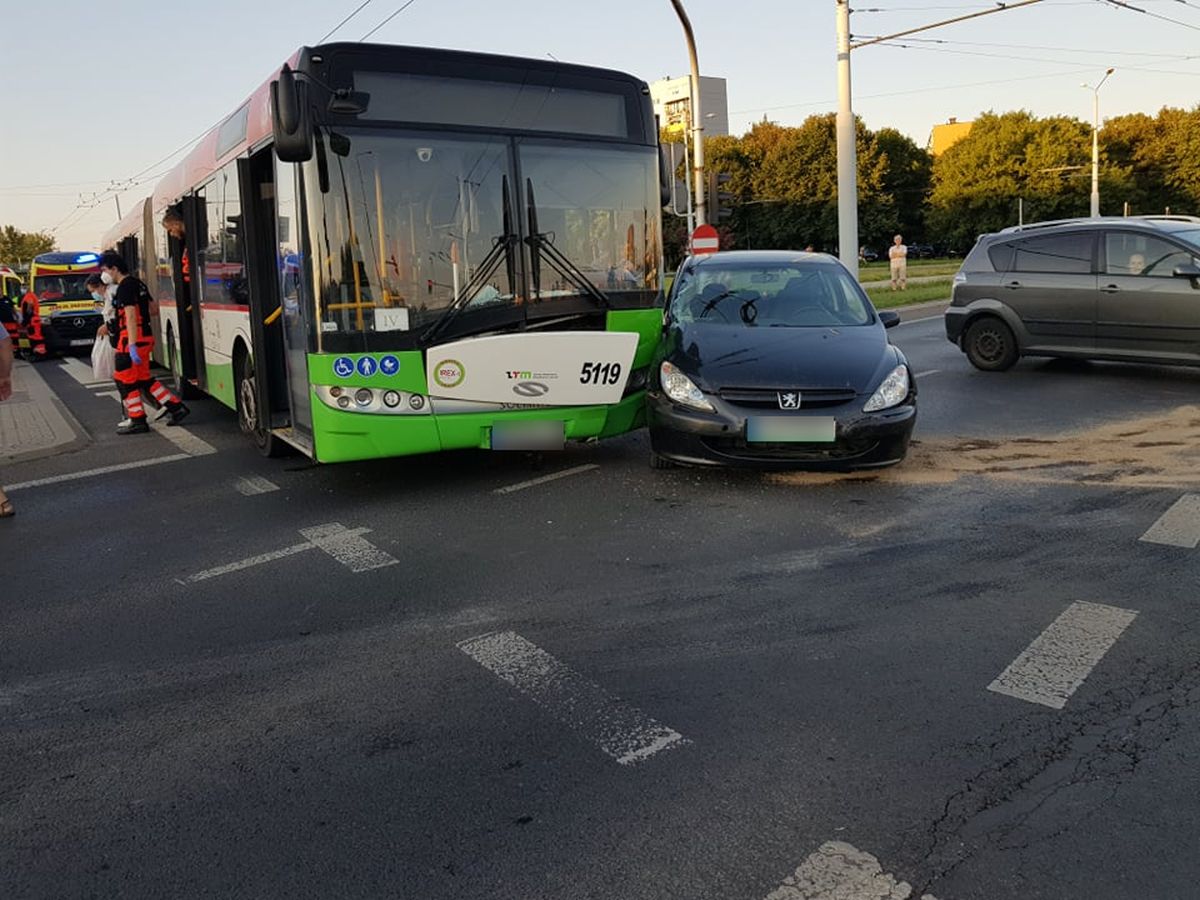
(343, 367)
(389, 365)
(367, 366)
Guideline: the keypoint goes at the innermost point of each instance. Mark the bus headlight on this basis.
(343, 402)
(391, 399)
(363, 396)
(416, 402)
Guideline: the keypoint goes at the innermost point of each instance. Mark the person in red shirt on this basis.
(135, 343)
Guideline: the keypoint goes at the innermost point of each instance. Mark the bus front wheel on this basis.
(249, 417)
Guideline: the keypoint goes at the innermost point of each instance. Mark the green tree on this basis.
(18, 246)
(1154, 162)
(906, 179)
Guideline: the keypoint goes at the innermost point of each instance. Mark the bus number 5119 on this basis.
(600, 373)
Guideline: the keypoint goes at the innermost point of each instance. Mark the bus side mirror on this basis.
(665, 177)
(291, 121)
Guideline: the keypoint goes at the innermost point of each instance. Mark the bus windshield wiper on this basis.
(540, 245)
(502, 248)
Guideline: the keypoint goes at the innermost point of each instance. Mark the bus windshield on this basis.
(410, 223)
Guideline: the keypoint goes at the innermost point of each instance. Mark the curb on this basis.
(80, 438)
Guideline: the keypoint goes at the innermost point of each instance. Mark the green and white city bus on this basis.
(396, 250)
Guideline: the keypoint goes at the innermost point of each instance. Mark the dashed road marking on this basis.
(92, 473)
(927, 373)
(176, 434)
(626, 734)
(78, 370)
(1179, 526)
(250, 485)
(249, 562)
(534, 482)
(840, 871)
(1053, 667)
(348, 547)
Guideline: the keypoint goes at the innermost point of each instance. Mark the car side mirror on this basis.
(1188, 270)
(889, 319)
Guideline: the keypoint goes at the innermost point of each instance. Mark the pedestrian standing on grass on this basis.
(898, 262)
(6, 365)
(135, 343)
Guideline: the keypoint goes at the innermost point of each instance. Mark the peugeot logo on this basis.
(78, 323)
(789, 399)
(530, 389)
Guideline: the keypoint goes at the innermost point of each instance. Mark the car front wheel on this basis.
(991, 345)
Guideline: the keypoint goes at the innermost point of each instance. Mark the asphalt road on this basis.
(228, 676)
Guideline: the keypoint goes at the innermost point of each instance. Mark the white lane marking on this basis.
(249, 562)
(348, 547)
(533, 482)
(1179, 526)
(915, 321)
(927, 372)
(177, 435)
(78, 370)
(840, 871)
(250, 485)
(92, 473)
(1053, 667)
(623, 732)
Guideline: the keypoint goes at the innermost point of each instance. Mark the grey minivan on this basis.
(1107, 288)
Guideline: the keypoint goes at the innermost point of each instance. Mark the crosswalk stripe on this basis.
(1179, 526)
(842, 871)
(1053, 667)
(250, 485)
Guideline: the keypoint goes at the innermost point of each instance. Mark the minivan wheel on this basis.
(991, 345)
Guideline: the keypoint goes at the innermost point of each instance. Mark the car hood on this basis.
(725, 356)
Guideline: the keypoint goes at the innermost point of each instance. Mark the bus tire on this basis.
(249, 419)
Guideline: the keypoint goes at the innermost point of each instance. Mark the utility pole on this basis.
(1096, 143)
(847, 152)
(847, 163)
(697, 119)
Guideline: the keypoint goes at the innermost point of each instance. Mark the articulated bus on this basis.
(395, 250)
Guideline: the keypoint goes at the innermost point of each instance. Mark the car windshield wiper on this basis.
(541, 244)
(502, 248)
(712, 302)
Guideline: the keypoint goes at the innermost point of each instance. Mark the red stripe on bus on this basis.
(226, 307)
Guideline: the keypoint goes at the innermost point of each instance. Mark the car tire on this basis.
(990, 345)
(658, 461)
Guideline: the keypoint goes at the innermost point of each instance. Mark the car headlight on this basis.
(680, 388)
(891, 392)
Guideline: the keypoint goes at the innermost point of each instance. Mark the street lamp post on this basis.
(1096, 142)
(847, 152)
(696, 116)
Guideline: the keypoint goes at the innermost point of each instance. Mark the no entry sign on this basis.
(705, 240)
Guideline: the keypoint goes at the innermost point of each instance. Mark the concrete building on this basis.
(672, 103)
(946, 136)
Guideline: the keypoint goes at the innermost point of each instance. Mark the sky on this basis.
(158, 75)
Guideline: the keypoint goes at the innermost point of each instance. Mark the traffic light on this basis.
(720, 200)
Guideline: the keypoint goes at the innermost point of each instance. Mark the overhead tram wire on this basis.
(1089, 50)
(399, 10)
(338, 26)
(1120, 4)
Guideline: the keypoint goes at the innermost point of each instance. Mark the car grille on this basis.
(842, 450)
(65, 327)
(768, 398)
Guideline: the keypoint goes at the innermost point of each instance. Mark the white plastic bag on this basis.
(103, 364)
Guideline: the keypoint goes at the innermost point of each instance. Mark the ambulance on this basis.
(58, 312)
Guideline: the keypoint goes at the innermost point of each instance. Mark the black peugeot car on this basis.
(777, 359)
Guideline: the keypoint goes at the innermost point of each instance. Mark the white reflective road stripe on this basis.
(348, 547)
(249, 562)
(1179, 526)
(250, 485)
(177, 435)
(78, 370)
(533, 482)
(92, 473)
(927, 372)
(623, 732)
(1053, 667)
(840, 871)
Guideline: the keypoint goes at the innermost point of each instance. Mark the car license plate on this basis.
(791, 429)
(527, 436)
(83, 342)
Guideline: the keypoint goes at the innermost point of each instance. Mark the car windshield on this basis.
(62, 287)
(795, 295)
(1190, 236)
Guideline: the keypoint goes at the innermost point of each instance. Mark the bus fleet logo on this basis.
(449, 373)
(529, 383)
(531, 389)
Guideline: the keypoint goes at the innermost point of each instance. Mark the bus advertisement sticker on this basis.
(389, 365)
(367, 366)
(343, 367)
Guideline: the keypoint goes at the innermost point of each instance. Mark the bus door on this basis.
(257, 178)
(185, 254)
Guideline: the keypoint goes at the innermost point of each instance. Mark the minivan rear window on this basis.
(1067, 254)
